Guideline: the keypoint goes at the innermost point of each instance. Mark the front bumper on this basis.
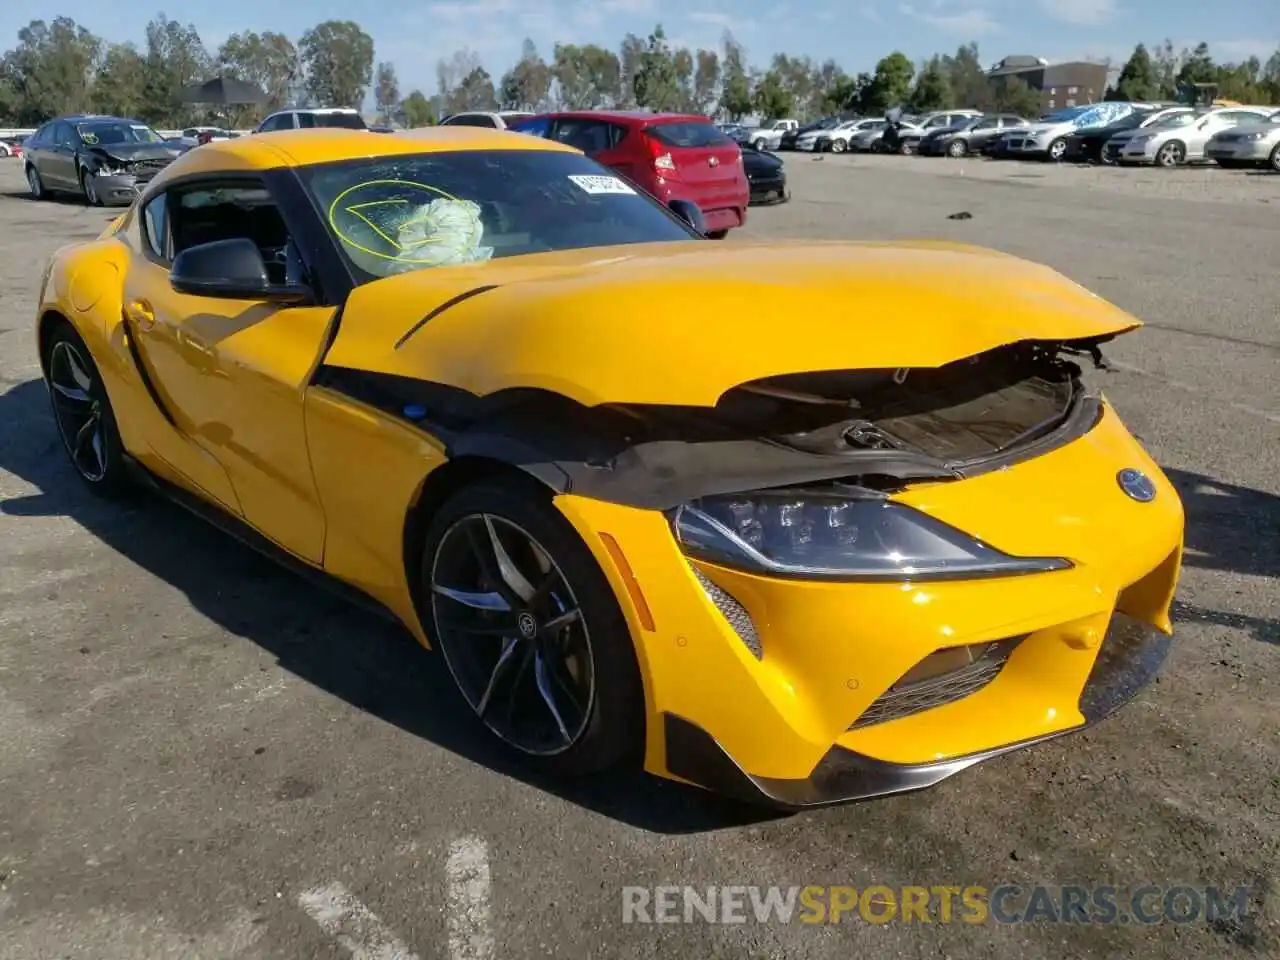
(799, 686)
(1242, 151)
(1144, 152)
(119, 189)
(764, 190)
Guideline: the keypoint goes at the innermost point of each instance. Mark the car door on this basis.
(232, 373)
(602, 141)
(982, 131)
(59, 170)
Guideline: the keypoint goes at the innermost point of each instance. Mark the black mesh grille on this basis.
(904, 699)
(734, 612)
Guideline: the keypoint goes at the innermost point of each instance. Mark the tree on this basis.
(772, 98)
(932, 90)
(474, 92)
(1014, 96)
(338, 58)
(1197, 67)
(267, 60)
(970, 86)
(120, 85)
(1270, 80)
(829, 90)
(706, 81)
(682, 60)
(586, 76)
(735, 96)
(1138, 79)
(450, 73)
(49, 70)
(526, 85)
(890, 86)
(657, 85)
(386, 90)
(630, 55)
(415, 110)
(175, 58)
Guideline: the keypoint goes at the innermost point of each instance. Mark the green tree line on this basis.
(59, 67)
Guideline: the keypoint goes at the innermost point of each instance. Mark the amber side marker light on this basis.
(629, 578)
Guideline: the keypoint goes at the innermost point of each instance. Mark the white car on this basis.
(1047, 139)
(1182, 139)
(769, 136)
(1247, 145)
(494, 120)
(837, 138)
(296, 118)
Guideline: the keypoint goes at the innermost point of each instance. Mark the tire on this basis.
(609, 730)
(97, 455)
(717, 234)
(1171, 154)
(87, 188)
(760, 144)
(5, 153)
(1273, 161)
(35, 184)
(905, 149)
(1057, 150)
(957, 149)
(839, 146)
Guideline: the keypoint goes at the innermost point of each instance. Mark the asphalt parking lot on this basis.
(202, 756)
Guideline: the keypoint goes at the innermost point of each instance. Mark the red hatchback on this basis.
(674, 156)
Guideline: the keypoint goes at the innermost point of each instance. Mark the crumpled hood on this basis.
(130, 152)
(682, 323)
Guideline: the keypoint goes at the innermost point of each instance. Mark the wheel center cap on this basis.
(527, 625)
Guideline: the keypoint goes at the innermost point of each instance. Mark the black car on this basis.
(791, 136)
(1086, 145)
(765, 175)
(104, 159)
(971, 136)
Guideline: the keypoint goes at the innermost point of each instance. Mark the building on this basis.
(1059, 84)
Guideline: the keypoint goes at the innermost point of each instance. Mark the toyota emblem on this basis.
(1136, 485)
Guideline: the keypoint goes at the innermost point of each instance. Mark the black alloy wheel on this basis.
(82, 413)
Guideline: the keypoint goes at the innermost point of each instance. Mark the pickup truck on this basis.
(769, 135)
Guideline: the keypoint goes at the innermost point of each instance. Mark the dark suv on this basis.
(104, 159)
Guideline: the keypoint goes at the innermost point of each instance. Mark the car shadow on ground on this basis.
(373, 665)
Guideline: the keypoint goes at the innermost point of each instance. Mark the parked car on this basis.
(769, 135)
(304, 119)
(1182, 138)
(1103, 143)
(1046, 139)
(104, 159)
(494, 120)
(11, 148)
(908, 133)
(840, 138)
(868, 140)
(788, 141)
(674, 156)
(971, 136)
(812, 141)
(765, 174)
(1248, 145)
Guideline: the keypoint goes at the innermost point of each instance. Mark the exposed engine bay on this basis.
(871, 430)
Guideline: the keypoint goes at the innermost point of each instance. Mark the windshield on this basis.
(395, 214)
(107, 134)
(343, 120)
(1177, 120)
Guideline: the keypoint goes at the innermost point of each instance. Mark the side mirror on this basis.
(233, 269)
(688, 211)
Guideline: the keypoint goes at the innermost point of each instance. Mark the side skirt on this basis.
(251, 538)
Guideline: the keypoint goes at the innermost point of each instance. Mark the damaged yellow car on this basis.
(494, 389)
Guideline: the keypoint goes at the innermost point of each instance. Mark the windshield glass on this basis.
(106, 134)
(395, 214)
(1177, 120)
(343, 120)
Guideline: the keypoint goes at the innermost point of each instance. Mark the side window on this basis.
(305, 120)
(986, 124)
(537, 127)
(63, 135)
(589, 136)
(155, 226)
(471, 120)
(227, 211)
(272, 123)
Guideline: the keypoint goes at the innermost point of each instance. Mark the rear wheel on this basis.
(530, 630)
(905, 148)
(1058, 149)
(839, 146)
(957, 148)
(1274, 160)
(760, 144)
(82, 413)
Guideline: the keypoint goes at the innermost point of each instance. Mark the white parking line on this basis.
(352, 924)
(470, 935)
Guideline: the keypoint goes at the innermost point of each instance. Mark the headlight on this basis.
(823, 536)
(1252, 136)
(1142, 138)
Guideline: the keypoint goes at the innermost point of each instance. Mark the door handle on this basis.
(141, 313)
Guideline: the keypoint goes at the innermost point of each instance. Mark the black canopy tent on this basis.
(223, 92)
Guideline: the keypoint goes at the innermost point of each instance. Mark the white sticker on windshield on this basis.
(601, 184)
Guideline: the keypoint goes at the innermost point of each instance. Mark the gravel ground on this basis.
(201, 756)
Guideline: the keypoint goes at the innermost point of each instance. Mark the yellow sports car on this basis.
(538, 418)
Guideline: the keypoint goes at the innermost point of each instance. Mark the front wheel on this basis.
(760, 145)
(905, 149)
(1171, 154)
(957, 148)
(88, 188)
(34, 183)
(1057, 150)
(82, 413)
(531, 631)
(1273, 161)
(839, 146)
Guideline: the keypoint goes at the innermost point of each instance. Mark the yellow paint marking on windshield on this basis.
(353, 210)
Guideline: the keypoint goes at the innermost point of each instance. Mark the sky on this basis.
(415, 34)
